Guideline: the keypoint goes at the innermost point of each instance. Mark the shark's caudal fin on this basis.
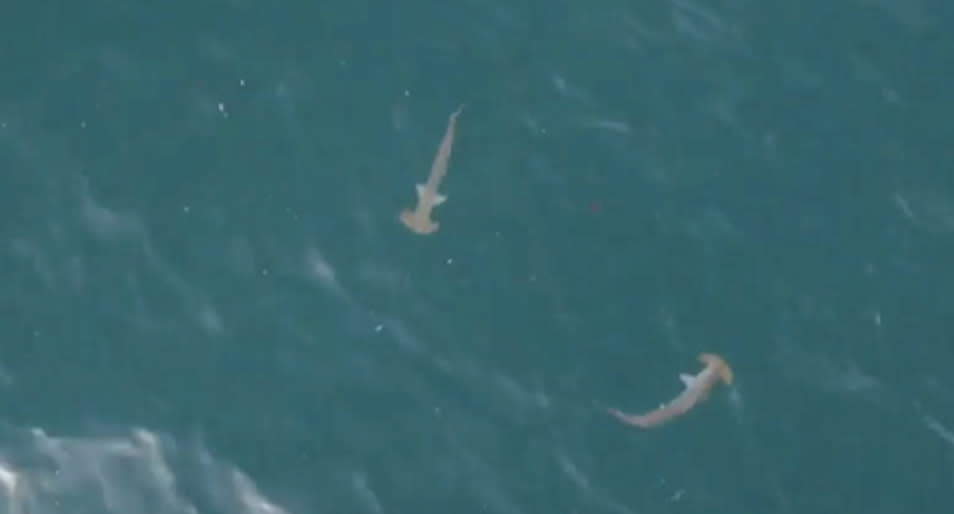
(438, 198)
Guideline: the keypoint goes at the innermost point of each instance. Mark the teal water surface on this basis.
(210, 305)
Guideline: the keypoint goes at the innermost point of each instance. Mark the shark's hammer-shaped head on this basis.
(419, 223)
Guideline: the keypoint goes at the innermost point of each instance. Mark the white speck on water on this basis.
(242, 82)
(222, 110)
(450, 260)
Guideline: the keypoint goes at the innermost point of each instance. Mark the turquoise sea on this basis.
(209, 305)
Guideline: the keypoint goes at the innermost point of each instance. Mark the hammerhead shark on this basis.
(419, 220)
(697, 389)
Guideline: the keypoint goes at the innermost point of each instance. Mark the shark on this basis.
(419, 219)
(697, 388)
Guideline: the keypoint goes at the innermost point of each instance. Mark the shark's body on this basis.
(419, 220)
(697, 388)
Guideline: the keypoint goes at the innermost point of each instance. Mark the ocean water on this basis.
(210, 307)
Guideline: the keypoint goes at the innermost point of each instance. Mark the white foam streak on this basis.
(128, 473)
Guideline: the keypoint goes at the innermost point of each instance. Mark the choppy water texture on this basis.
(210, 306)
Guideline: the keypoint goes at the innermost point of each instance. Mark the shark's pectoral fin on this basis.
(422, 192)
(687, 379)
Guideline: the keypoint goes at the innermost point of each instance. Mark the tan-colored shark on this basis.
(419, 220)
(697, 389)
